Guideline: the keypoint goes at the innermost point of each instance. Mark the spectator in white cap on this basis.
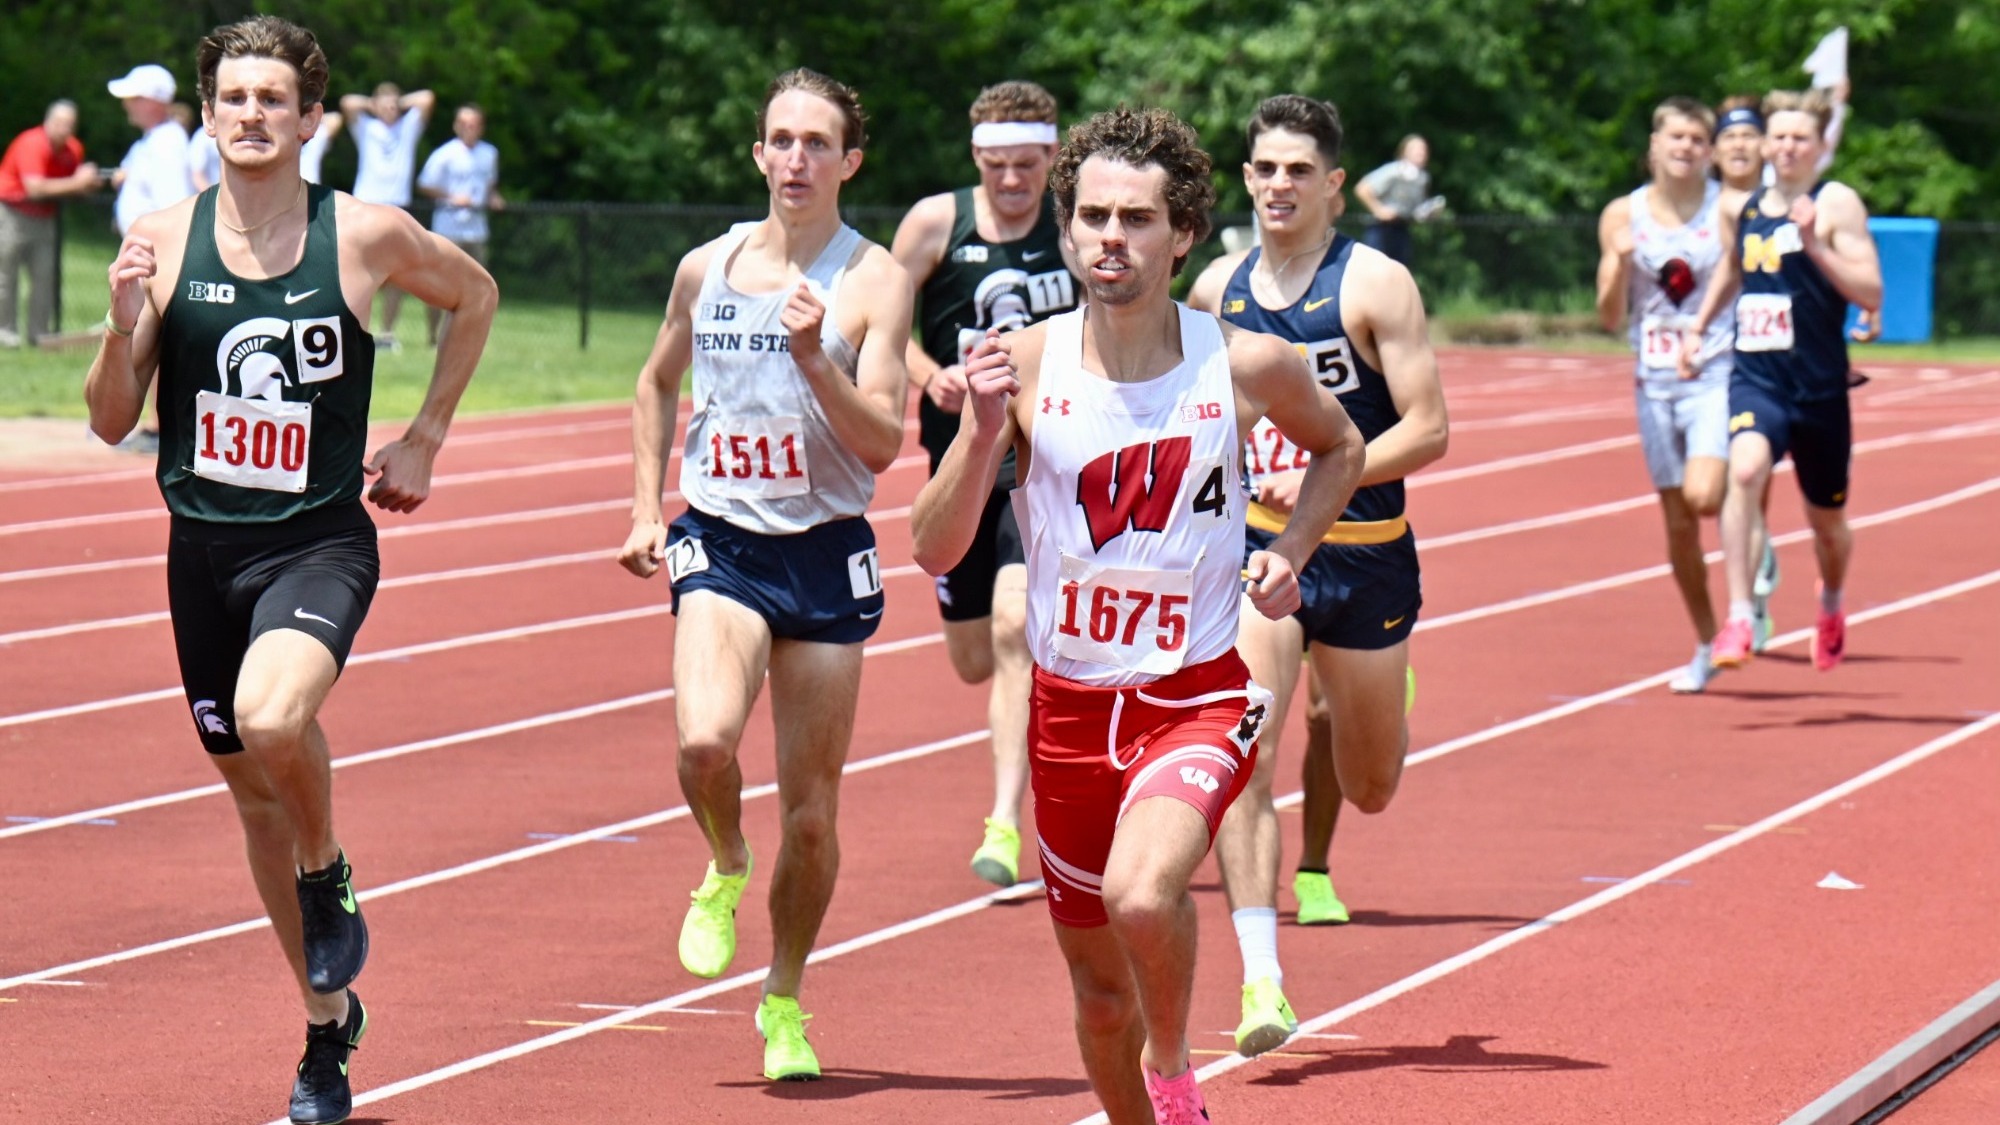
(154, 174)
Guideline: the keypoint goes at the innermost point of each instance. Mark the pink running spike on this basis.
(1829, 640)
(1177, 1100)
(1732, 644)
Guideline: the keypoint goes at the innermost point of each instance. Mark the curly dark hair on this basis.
(1139, 137)
(263, 37)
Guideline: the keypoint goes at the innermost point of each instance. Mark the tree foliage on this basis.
(1533, 107)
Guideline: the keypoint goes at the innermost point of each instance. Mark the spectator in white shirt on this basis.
(154, 173)
(463, 176)
(1395, 194)
(204, 159)
(313, 153)
(386, 128)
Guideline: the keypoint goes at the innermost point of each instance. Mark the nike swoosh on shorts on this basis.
(304, 616)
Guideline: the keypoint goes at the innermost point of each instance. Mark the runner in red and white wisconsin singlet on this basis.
(1126, 418)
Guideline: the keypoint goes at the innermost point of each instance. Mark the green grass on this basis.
(531, 359)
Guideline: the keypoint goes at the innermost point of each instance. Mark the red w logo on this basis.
(1134, 487)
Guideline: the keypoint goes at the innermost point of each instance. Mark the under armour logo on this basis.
(1050, 404)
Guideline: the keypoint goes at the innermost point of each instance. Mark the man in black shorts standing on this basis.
(983, 257)
(243, 300)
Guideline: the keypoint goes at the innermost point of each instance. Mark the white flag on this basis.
(1828, 62)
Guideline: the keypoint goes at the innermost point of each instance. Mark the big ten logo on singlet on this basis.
(246, 434)
(1123, 617)
(759, 457)
(1767, 254)
(1764, 322)
(1332, 363)
(1139, 488)
(1011, 300)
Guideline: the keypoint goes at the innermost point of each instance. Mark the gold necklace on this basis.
(281, 213)
(1277, 276)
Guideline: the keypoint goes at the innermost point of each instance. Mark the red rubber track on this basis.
(1737, 991)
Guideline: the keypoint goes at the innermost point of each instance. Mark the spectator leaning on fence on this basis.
(1397, 194)
(386, 129)
(154, 173)
(463, 176)
(42, 165)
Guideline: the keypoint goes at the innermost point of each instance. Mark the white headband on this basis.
(999, 134)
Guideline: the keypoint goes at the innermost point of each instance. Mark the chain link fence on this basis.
(581, 270)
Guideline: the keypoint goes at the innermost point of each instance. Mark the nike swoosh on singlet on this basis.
(292, 299)
(1027, 257)
(1311, 305)
(1393, 624)
(304, 616)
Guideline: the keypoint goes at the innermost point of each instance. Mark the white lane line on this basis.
(488, 570)
(1512, 605)
(1315, 1026)
(549, 719)
(1426, 477)
(1609, 895)
(487, 863)
(1432, 543)
(1632, 577)
(679, 1001)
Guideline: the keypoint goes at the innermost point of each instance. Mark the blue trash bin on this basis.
(1908, 248)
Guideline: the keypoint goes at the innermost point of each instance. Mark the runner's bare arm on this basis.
(1843, 249)
(1206, 293)
(431, 269)
(1392, 316)
(654, 412)
(918, 248)
(1614, 262)
(1722, 287)
(945, 518)
(115, 389)
(867, 414)
(1272, 382)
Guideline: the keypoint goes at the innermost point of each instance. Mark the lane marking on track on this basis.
(1933, 596)
(514, 726)
(677, 1002)
(1473, 535)
(1314, 1026)
(488, 863)
(1609, 895)
(1476, 614)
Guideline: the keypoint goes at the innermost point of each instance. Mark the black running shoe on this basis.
(320, 1094)
(336, 939)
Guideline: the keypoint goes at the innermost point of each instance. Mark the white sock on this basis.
(1741, 611)
(1257, 936)
(1829, 600)
(1702, 652)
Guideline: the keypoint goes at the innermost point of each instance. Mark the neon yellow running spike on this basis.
(787, 1055)
(998, 860)
(708, 933)
(1267, 1018)
(1318, 905)
(1409, 688)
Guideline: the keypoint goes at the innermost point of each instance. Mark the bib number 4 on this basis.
(252, 442)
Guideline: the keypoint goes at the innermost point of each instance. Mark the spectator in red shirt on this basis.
(43, 165)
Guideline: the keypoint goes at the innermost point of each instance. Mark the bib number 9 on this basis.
(252, 442)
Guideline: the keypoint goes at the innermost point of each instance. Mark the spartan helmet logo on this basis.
(250, 361)
(1001, 301)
